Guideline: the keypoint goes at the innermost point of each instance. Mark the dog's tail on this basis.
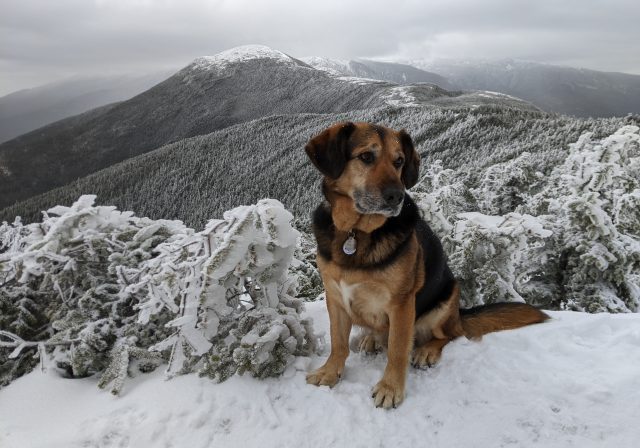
(485, 319)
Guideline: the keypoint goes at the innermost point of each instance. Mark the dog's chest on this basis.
(366, 302)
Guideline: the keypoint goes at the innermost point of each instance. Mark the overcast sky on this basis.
(47, 40)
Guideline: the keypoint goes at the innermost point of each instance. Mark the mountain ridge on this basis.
(398, 73)
(574, 91)
(29, 109)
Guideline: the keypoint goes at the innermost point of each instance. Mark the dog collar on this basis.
(349, 246)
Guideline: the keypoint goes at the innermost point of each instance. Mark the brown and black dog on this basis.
(382, 267)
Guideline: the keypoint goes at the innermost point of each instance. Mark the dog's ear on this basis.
(411, 161)
(329, 150)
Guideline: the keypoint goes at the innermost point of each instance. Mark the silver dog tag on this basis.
(349, 246)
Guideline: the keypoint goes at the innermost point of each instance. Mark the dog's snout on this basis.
(393, 196)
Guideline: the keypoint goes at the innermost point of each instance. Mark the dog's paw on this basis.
(324, 376)
(370, 344)
(425, 356)
(387, 395)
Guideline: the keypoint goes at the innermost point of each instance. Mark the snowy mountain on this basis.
(211, 93)
(579, 92)
(29, 109)
(383, 71)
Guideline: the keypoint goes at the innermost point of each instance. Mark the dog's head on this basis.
(371, 164)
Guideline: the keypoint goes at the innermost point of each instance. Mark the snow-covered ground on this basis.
(401, 96)
(573, 381)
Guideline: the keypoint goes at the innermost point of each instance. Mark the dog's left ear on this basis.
(411, 161)
(329, 150)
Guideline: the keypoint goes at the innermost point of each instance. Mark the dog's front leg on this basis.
(389, 392)
(340, 328)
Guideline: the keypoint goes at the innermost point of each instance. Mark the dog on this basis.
(382, 267)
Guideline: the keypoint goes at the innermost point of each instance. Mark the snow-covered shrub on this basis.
(505, 186)
(448, 195)
(591, 205)
(95, 289)
(565, 237)
(228, 286)
(491, 255)
(61, 289)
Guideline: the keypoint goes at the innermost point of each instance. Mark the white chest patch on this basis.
(346, 291)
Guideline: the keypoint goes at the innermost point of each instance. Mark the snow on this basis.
(360, 81)
(492, 94)
(513, 222)
(400, 97)
(573, 381)
(334, 67)
(340, 69)
(235, 55)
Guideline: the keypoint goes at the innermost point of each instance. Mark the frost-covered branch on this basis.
(19, 344)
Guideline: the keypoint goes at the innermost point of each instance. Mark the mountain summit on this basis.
(240, 54)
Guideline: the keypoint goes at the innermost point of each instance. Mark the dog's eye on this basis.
(366, 157)
(398, 162)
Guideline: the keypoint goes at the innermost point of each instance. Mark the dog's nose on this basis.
(393, 196)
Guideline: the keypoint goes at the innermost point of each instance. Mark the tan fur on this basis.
(346, 218)
(436, 329)
(371, 342)
(437, 323)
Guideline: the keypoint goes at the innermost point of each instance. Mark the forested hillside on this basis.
(198, 178)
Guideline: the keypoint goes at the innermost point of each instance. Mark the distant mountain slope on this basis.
(235, 86)
(579, 92)
(29, 109)
(209, 94)
(384, 71)
(197, 179)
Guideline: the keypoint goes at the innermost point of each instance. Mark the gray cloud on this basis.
(44, 40)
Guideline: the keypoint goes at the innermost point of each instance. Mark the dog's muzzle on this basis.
(388, 202)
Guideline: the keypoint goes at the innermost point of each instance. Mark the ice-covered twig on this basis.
(20, 344)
